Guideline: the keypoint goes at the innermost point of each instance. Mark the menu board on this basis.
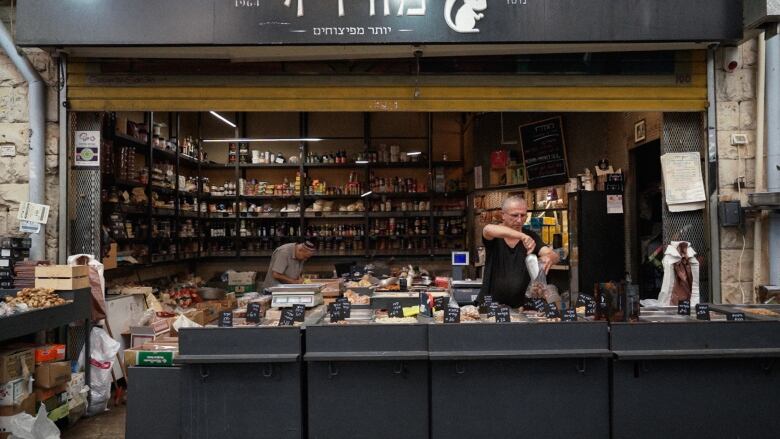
(544, 152)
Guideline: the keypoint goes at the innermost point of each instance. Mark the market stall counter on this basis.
(524, 379)
(153, 401)
(367, 380)
(235, 378)
(681, 378)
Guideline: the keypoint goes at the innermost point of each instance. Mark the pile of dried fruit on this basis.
(36, 298)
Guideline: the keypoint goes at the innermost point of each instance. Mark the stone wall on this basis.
(15, 131)
(736, 108)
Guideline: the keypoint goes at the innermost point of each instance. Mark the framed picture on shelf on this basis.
(640, 131)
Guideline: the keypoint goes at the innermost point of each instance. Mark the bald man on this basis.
(507, 245)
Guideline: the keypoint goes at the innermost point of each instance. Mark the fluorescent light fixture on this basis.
(414, 153)
(241, 139)
(222, 118)
(361, 162)
(367, 194)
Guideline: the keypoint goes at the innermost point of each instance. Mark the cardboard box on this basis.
(152, 355)
(42, 394)
(16, 363)
(50, 352)
(51, 375)
(26, 406)
(55, 401)
(76, 385)
(62, 277)
(14, 392)
(140, 335)
(109, 261)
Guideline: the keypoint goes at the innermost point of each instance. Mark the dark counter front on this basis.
(695, 379)
(538, 380)
(153, 402)
(241, 382)
(367, 381)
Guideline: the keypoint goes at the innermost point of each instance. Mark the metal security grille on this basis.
(684, 132)
(84, 193)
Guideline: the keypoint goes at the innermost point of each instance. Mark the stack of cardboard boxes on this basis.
(31, 376)
(17, 366)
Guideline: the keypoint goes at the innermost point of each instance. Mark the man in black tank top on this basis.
(506, 246)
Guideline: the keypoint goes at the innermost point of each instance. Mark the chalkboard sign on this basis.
(452, 314)
(299, 312)
(346, 309)
(702, 311)
(253, 312)
(287, 318)
(570, 315)
(736, 317)
(540, 305)
(226, 319)
(590, 308)
(396, 310)
(336, 312)
(544, 152)
(440, 303)
(502, 315)
(552, 311)
(684, 308)
(402, 284)
(493, 309)
(583, 299)
(484, 307)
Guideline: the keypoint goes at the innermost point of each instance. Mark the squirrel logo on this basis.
(467, 16)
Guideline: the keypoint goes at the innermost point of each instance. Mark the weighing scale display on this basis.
(460, 258)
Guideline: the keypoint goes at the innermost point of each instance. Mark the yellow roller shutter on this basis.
(89, 89)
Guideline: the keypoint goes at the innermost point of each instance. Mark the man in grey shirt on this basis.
(287, 262)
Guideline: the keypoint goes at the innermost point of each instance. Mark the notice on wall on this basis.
(683, 181)
(34, 213)
(544, 153)
(87, 144)
(614, 204)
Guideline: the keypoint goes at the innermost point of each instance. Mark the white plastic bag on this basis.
(184, 322)
(24, 426)
(103, 350)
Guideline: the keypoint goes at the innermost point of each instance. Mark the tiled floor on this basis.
(108, 425)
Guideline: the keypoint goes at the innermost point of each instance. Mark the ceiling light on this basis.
(413, 153)
(222, 118)
(367, 194)
(361, 162)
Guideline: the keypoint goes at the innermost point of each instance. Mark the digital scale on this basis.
(285, 296)
(465, 292)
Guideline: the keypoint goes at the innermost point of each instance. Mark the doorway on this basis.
(647, 252)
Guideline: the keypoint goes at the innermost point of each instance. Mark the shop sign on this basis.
(299, 312)
(684, 308)
(346, 307)
(544, 153)
(502, 315)
(396, 310)
(253, 312)
(570, 315)
(552, 311)
(336, 312)
(87, 144)
(736, 317)
(226, 319)
(439, 303)
(313, 22)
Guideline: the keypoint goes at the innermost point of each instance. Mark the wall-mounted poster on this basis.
(544, 152)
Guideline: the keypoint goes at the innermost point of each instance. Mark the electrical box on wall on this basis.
(730, 214)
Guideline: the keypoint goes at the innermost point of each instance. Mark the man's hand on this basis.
(528, 243)
(547, 263)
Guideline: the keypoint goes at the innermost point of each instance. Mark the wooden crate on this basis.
(62, 277)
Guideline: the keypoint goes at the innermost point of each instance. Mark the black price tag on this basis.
(402, 284)
(336, 312)
(226, 319)
(590, 308)
(583, 299)
(502, 315)
(346, 310)
(396, 310)
(702, 312)
(684, 308)
(570, 315)
(253, 312)
(736, 317)
(287, 318)
(552, 311)
(439, 303)
(493, 309)
(484, 307)
(299, 312)
(539, 305)
(452, 314)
